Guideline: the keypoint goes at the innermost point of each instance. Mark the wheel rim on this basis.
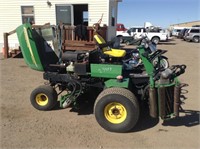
(156, 40)
(121, 40)
(163, 63)
(115, 112)
(41, 99)
(196, 40)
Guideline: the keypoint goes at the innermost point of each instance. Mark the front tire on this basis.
(163, 62)
(128, 43)
(44, 98)
(116, 109)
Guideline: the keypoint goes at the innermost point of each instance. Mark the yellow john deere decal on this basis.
(29, 46)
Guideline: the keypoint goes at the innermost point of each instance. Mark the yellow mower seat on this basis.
(115, 52)
(107, 50)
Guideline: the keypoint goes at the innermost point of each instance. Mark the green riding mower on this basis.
(116, 107)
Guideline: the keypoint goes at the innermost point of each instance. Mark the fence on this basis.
(71, 40)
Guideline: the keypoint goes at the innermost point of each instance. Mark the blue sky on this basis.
(158, 12)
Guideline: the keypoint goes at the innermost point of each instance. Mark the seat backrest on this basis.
(36, 51)
(100, 40)
(107, 50)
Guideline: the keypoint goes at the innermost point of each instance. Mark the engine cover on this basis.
(69, 56)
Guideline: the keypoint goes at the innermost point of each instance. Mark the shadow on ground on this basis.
(167, 43)
(145, 121)
(190, 118)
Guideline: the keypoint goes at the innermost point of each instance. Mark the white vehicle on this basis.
(131, 31)
(137, 31)
(176, 30)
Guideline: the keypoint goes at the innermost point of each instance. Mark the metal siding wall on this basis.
(10, 17)
(96, 10)
(186, 24)
(10, 13)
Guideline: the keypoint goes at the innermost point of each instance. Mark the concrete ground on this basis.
(22, 126)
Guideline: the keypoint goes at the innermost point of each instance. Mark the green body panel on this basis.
(106, 70)
(147, 64)
(115, 83)
(28, 47)
(174, 82)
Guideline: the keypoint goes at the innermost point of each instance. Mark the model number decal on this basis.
(106, 69)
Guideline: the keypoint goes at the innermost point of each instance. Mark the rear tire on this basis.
(121, 39)
(44, 97)
(116, 109)
(196, 39)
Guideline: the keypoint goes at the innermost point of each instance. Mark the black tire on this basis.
(196, 39)
(116, 102)
(121, 39)
(156, 40)
(164, 63)
(128, 43)
(44, 98)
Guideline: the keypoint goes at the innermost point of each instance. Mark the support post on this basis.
(6, 48)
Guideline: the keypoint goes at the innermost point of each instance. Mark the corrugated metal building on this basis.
(13, 13)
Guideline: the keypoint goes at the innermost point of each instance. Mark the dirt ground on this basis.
(22, 126)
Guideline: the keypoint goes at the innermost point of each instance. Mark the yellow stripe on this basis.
(99, 39)
(29, 46)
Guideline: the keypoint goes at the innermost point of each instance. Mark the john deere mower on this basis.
(76, 72)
